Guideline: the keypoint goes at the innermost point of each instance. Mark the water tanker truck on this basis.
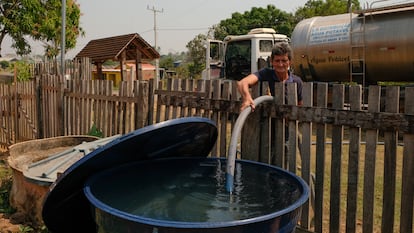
(376, 44)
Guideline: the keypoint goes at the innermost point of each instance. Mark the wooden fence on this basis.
(356, 156)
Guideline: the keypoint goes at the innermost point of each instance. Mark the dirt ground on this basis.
(10, 223)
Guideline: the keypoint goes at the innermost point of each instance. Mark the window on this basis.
(265, 46)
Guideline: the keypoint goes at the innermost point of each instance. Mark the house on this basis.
(114, 72)
(127, 49)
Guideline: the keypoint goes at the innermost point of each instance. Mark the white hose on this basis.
(231, 159)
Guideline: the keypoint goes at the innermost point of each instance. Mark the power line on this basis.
(183, 29)
(176, 29)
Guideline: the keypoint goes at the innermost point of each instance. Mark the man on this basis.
(281, 58)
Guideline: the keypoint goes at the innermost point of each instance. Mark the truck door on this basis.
(214, 59)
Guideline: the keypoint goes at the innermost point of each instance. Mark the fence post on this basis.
(407, 193)
(337, 137)
(374, 101)
(390, 163)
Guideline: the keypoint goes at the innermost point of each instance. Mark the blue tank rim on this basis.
(65, 197)
(200, 225)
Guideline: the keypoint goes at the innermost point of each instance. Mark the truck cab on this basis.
(237, 56)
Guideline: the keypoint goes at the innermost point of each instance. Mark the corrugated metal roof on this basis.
(111, 48)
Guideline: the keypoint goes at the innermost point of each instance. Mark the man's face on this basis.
(281, 63)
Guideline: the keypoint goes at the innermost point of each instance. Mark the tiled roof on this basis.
(111, 48)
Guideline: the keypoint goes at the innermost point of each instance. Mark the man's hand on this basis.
(246, 104)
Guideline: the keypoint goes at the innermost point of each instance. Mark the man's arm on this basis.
(243, 87)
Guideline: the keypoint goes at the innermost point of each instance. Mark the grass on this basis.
(5, 187)
(378, 189)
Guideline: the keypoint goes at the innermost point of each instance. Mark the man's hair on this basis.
(281, 48)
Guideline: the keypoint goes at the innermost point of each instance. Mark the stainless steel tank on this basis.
(382, 39)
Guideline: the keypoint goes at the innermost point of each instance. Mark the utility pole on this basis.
(157, 61)
(63, 39)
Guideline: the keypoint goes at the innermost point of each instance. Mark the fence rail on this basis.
(333, 145)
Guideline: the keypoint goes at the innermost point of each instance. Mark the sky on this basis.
(177, 22)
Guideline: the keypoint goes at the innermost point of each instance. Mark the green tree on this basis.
(196, 54)
(257, 17)
(39, 20)
(4, 64)
(22, 69)
(182, 71)
(167, 62)
(323, 8)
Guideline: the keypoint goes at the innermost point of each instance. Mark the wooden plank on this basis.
(35, 107)
(120, 110)
(174, 104)
(250, 134)
(43, 103)
(200, 88)
(96, 104)
(128, 109)
(216, 84)
(45, 98)
(77, 109)
(59, 102)
(89, 104)
(407, 190)
(183, 107)
(3, 129)
(290, 161)
(222, 140)
(9, 121)
(106, 114)
(321, 102)
(279, 148)
(365, 120)
(264, 125)
(66, 102)
(116, 117)
(159, 106)
(235, 103)
(151, 102)
(142, 104)
(73, 114)
(187, 85)
(206, 112)
(27, 111)
(374, 97)
(305, 150)
(190, 101)
(184, 99)
(355, 97)
(52, 106)
(84, 129)
(390, 163)
(168, 98)
(336, 160)
(15, 113)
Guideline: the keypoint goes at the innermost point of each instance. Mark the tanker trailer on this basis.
(365, 47)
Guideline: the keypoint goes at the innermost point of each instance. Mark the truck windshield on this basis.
(238, 59)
